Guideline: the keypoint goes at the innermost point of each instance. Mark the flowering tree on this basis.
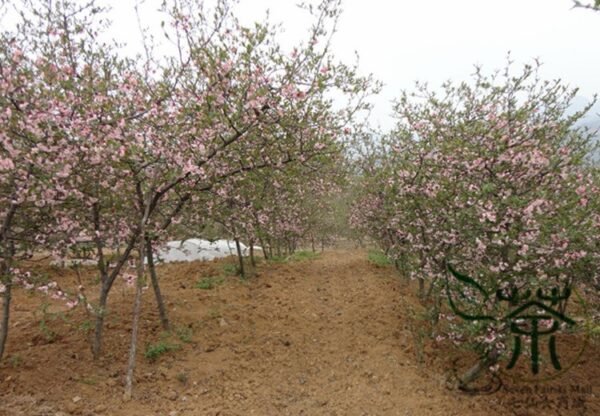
(260, 108)
(491, 178)
(241, 105)
(272, 207)
(99, 147)
(40, 122)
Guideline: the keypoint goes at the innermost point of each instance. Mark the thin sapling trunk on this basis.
(252, 259)
(164, 320)
(5, 314)
(137, 309)
(240, 257)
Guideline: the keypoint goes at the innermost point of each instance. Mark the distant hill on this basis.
(592, 119)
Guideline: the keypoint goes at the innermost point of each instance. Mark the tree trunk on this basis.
(5, 263)
(137, 308)
(107, 282)
(417, 333)
(421, 279)
(264, 248)
(164, 320)
(100, 314)
(474, 372)
(431, 287)
(252, 259)
(421, 288)
(241, 259)
(5, 313)
(312, 242)
(6, 280)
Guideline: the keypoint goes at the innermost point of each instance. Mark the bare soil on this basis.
(329, 336)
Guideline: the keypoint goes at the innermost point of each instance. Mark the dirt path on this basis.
(312, 338)
(319, 337)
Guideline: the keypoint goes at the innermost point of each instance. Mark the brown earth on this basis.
(330, 336)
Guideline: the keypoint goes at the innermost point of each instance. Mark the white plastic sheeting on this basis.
(197, 249)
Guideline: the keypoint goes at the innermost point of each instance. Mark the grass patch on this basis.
(15, 360)
(47, 316)
(230, 269)
(277, 259)
(303, 255)
(214, 313)
(594, 332)
(182, 377)
(86, 326)
(154, 351)
(184, 333)
(209, 283)
(378, 258)
(300, 255)
(90, 381)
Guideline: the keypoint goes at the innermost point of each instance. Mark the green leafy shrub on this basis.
(154, 351)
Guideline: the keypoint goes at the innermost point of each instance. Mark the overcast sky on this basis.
(401, 41)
